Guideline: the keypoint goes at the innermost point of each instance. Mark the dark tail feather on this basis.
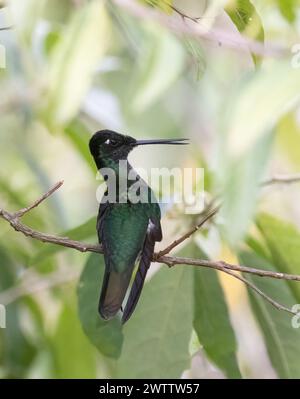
(113, 291)
(139, 279)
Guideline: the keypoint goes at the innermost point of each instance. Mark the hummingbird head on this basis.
(106, 144)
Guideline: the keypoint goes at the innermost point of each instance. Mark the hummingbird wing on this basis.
(153, 234)
(121, 229)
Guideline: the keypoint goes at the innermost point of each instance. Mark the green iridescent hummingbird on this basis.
(127, 225)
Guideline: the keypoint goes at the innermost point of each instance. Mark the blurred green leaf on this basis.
(288, 9)
(253, 112)
(7, 270)
(74, 357)
(73, 61)
(162, 62)
(211, 316)
(283, 241)
(258, 246)
(241, 13)
(281, 339)
(16, 352)
(51, 40)
(164, 5)
(105, 335)
(288, 137)
(245, 147)
(79, 135)
(197, 55)
(241, 187)
(246, 19)
(156, 338)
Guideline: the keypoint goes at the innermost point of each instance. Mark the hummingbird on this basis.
(127, 229)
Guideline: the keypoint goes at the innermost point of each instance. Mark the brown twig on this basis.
(282, 179)
(223, 266)
(36, 203)
(14, 220)
(183, 15)
(175, 243)
(277, 179)
(260, 292)
(62, 241)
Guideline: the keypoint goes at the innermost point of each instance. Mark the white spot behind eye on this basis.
(107, 141)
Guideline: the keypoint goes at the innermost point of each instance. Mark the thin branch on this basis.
(175, 243)
(282, 179)
(223, 266)
(260, 292)
(36, 203)
(14, 220)
(277, 179)
(183, 15)
(62, 241)
(198, 30)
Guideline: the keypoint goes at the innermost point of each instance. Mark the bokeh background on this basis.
(73, 67)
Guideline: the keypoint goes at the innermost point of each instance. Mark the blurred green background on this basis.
(74, 67)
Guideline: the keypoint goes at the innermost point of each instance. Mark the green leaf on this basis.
(105, 335)
(80, 136)
(73, 61)
(74, 357)
(7, 270)
(164, 5)
(162, 62)
(254, 94)
(241, 187)
(246, 142)
(257, 246)
(51, 40)
(288, 9)
(281, 339)
(288, 137)
(156, 338)
(211, 317)
(16, 352)
(283, 241)
(246, 19)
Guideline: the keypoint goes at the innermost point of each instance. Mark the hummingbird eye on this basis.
(111, 142)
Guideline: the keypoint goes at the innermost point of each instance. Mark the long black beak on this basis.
(163, 141)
